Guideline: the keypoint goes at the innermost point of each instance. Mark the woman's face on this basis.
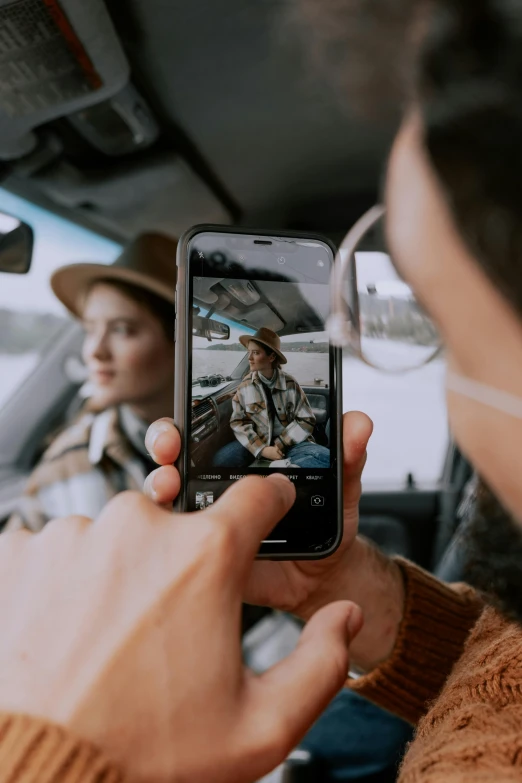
(259, 359)
(128, 356)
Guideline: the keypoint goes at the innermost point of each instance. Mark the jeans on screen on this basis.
(304, 455)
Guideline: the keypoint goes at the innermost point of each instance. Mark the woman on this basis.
(271, 416)
(127, 310)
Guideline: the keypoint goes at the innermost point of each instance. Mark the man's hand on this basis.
(356, 571)
(272, 453)
(127, 632)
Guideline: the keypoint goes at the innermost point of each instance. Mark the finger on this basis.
(321, 661)
(163, 485)
(163, 442)
(250, 509)
(357, 430)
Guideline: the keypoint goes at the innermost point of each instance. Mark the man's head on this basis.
(454, 215)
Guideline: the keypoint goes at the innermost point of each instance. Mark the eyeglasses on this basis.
(374, 313)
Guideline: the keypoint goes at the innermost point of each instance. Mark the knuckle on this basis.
(66, 525)
(126, 508)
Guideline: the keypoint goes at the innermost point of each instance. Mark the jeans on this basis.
(304, 455)
(358, 741)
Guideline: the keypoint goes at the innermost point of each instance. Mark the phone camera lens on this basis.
(218, 258)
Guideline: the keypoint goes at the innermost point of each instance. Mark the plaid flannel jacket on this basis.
(250, 420)
(83, 468)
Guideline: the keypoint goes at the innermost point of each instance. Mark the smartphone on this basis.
(258, 385)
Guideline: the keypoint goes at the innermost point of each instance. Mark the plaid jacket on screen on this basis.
(251, 422)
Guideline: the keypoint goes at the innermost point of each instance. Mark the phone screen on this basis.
(262, 387)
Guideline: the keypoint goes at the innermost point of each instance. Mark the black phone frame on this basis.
(182, 418)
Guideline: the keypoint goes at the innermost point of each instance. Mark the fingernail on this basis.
(355, 621)
(149, 487)
(153, 433)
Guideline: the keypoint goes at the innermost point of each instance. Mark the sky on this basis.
(377, 269)
(57, 242)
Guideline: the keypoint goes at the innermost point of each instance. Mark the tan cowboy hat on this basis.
(266, 337)
(149, 261)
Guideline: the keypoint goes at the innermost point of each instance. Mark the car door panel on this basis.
(402, 521)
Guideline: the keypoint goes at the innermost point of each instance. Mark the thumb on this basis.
(248, 511)
(296, 691)
(357, 430)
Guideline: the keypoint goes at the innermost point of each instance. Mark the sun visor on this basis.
(159, 192)
(55, 58)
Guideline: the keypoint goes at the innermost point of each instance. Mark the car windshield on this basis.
(30, 314)
(307, 356)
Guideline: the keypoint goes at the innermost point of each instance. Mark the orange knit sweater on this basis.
(34, 751)
(464, 690)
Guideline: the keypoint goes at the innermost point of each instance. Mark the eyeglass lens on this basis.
(395, 333)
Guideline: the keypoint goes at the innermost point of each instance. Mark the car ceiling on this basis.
(252, 130)
(284, 308)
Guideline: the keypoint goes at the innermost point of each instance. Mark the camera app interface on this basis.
(262, 377)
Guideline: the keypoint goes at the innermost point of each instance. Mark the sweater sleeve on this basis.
(436, 623)
(34, 751)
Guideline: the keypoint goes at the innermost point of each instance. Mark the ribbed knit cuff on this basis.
(34, 751)
(436, 623)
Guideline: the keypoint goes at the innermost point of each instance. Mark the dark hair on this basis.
(160, 308)
(269, 351)
(461, 61)
(470, 89)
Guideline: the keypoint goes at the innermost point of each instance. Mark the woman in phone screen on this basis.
(272, 419)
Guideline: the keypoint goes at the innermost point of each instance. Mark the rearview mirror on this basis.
(16, 245)
(212, 330)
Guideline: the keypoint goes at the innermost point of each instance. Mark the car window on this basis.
(408, 408)
(410, 422)
(30, 314)
(307, 356)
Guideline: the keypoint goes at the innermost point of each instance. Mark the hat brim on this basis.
(71, 282)
(246, 338)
